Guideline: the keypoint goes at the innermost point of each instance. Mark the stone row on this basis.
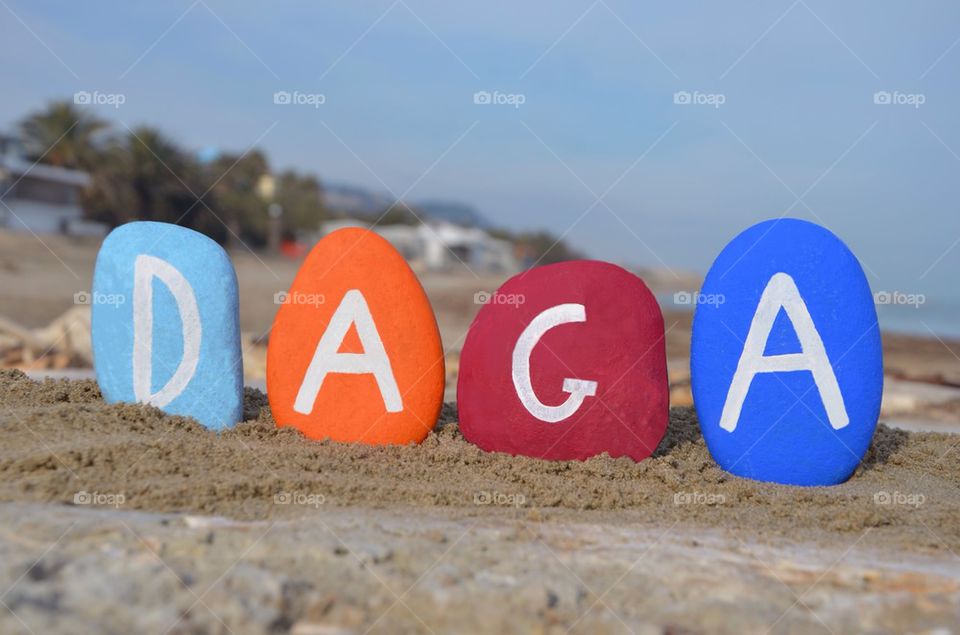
(563, 362)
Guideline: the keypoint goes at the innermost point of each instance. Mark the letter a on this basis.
(145, 269)
(579, 389)
(781, 292)
(353, 309)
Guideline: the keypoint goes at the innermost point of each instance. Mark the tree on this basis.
(302, 199)
(145, 175)
(154, 165)
(110, 199)
(62, 135)
(66, 136)
(234, 197)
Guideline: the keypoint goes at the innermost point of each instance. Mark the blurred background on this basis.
(483, 138)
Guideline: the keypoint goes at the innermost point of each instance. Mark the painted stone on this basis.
(786, 362)
(165, 323)
(355, 352)
(566, 361)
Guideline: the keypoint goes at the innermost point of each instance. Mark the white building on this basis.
(39, 198)
(439, 245)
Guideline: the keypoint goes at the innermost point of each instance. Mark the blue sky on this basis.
(798, 131)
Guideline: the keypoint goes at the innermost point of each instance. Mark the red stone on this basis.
(620, 346)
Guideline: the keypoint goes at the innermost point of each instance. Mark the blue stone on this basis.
(786, 362)
(165, 323)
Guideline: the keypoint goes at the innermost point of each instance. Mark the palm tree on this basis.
(62, 135)
(144, 175)
(154, 167)
(164, 182)
(233, 181)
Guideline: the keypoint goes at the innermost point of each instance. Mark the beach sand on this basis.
(274, 532)
(119, 519)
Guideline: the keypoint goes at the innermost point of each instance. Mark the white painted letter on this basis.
(145, 269)
(782, 292)
(579, 389)
(353, 309)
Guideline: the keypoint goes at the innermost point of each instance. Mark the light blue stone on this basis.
(796, 426)
(189, 361)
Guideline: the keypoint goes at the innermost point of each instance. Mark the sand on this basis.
(61, 440)
(119, 519)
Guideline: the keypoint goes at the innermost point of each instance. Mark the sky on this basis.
(645, 133)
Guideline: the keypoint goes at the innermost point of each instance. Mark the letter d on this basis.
(145, 270)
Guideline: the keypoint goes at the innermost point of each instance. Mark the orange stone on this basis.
(355, 352)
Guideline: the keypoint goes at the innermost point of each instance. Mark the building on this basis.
(439, 245)
(448, 244)
(39, 198)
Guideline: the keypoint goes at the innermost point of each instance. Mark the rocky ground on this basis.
(364, 570)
